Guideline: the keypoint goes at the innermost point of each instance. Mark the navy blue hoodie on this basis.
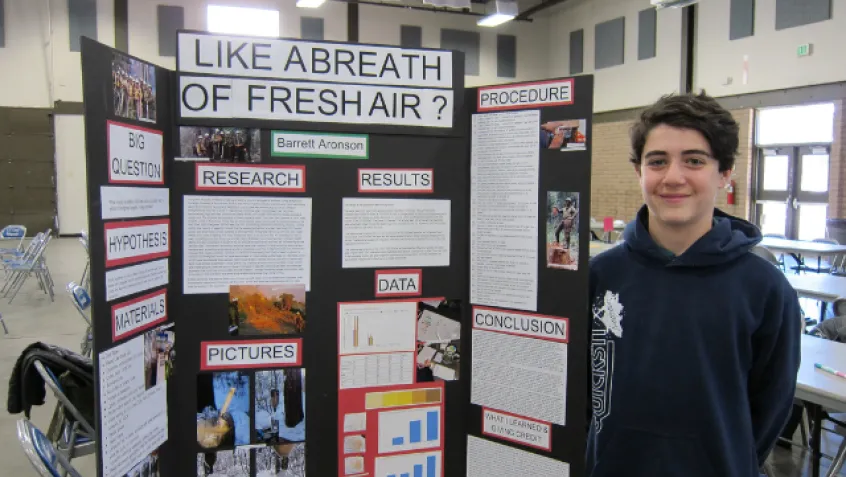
(694, 357)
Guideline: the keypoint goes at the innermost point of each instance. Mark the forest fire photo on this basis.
(267, 310)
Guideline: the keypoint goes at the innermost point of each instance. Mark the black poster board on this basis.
(315, 377)
(563, 109)
(128, 134)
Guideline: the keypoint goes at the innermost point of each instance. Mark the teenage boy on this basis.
(695, 340)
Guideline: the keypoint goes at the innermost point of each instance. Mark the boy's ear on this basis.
(725, 177)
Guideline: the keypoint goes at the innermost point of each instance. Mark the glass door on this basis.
(810, 197)
(774, 185)
(792, 192)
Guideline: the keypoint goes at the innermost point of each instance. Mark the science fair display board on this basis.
(298, 211)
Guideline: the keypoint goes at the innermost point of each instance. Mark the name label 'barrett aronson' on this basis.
(309, 144)
(255, 177)
(545, 327)
(251, 354)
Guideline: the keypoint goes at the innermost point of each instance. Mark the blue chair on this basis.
(82, 302)
(13, 233)
(71, 433)
(41, 454)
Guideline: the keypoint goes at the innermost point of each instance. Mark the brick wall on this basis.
(615, 191)
(837, 166)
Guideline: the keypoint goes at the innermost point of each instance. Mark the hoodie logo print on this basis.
(608, 318)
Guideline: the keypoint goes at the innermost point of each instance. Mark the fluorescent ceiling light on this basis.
(495, 19)
(499, 12)
(309, 3)
(243, 21)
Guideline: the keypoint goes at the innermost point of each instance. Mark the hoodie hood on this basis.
(729, 238)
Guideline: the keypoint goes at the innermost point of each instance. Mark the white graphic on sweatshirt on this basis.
(607, 318)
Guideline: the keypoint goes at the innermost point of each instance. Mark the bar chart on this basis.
(411, 429)
(377, 327)
(424, 464)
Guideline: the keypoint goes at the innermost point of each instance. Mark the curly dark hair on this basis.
(690, 111)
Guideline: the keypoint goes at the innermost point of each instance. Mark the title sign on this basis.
(135, 154)
(407, 282)
(396, 180)
(139, 314)
(251, 178)
(526, 95)
(251, 354)
(130, 242)
(521, 323)
(294, 80)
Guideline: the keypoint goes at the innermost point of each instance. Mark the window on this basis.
(813, 123)
(243, 21)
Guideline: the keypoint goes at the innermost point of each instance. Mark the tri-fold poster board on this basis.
(317, 258)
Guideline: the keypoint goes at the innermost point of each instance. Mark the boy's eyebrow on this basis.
(686, 151)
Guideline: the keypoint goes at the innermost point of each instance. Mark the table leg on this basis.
(815, 415)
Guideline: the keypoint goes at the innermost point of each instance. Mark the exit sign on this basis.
(803, 50)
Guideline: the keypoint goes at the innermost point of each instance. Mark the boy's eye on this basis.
(696, 161)
(656, 162)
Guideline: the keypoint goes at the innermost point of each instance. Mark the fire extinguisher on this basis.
(730, 192)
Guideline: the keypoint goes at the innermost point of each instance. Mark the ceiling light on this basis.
(499, 12)
(309, 3)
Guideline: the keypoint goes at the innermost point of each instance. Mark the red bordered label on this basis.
(408, 181)
(136, 154)
(250, 177)
(521, 323)
(519, 429)
(532, 95)
(136, 241)
(400, 282)
(279, 353)
(139, 314)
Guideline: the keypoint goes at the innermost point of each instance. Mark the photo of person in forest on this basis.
(562, 230)
(267, 310)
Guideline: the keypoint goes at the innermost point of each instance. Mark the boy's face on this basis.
(679, 178)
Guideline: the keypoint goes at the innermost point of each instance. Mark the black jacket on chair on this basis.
(26, 386)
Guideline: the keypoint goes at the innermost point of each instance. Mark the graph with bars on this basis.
(424, 464)
(411, 429)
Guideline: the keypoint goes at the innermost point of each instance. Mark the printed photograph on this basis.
(219, 144)
(280, 406)
(285, 460)
(562, 230)
(438, 341)
(159, 355)
(223, 410)
(267, 310)
(148, 467)
(134, 89)
(232, 463)
(564, 135)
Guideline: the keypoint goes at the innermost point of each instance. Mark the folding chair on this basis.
(72, 434)
(17, 271)
(12, 233)
(41, 453)
(82, 302)
(85, 281)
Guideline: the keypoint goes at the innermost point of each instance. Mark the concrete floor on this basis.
(32, 317)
